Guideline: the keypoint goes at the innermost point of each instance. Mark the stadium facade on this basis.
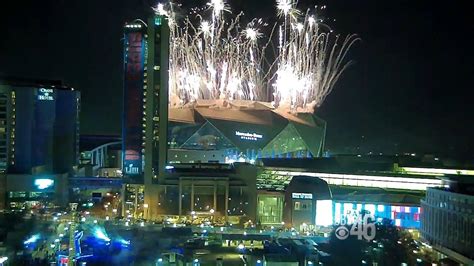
(243, 131)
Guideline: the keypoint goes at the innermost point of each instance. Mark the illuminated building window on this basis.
(324, 212)
(270, 209)
(297, 206)
(17, 194)
(302, 206)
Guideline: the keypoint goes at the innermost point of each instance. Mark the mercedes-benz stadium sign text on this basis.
(248, 136)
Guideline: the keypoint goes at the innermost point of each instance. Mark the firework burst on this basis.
(217, 58)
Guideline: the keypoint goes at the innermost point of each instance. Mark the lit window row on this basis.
(370, 181)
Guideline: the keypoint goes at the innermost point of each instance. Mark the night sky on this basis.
(409, 91)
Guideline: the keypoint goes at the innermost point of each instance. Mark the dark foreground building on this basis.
(39, 137)
(447, 218)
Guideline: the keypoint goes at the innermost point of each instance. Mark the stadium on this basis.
(241, 131)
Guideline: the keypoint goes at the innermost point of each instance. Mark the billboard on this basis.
(133, 103)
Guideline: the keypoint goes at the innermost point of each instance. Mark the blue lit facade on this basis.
(134, 85)
(402, 216)
(39, 128)
(39, 141)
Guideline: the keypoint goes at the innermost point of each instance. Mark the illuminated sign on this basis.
(133, 104)
(44, 183)
(45, 94)
(248, 136)
(324, 212)
(157, 21)
(131, 169)
(302, 195)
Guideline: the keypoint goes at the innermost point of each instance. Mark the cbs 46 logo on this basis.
(362, 228)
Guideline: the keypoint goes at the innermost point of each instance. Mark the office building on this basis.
(39, 136)
(145, 115)
(447, 219)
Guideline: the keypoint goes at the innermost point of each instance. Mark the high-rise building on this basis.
(145, 99)
(39, 127)
(39, 133)
(145, 117)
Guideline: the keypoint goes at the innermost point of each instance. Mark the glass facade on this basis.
(39, 127)
(207, 138)
(168, 201)
(203, 198)
(347, 212)
(287, 143)
(270, 209)
(272, 136)
(133, 200)
(236, 201)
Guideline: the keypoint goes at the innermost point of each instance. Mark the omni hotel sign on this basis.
(248, 136)
(45, 94)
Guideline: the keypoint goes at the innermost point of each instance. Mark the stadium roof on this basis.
(247, 126)
(376, 195)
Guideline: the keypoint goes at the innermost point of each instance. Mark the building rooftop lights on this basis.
(133, 26)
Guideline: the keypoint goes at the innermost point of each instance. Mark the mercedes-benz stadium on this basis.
(242, 131)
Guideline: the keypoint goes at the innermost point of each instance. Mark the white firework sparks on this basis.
(252, 34)
(284, 7)
(218, 6)
(310, 63)
(221, 60)
(160, 10)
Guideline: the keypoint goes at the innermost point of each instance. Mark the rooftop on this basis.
(32, 82)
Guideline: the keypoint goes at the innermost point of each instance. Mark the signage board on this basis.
(301, 195)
